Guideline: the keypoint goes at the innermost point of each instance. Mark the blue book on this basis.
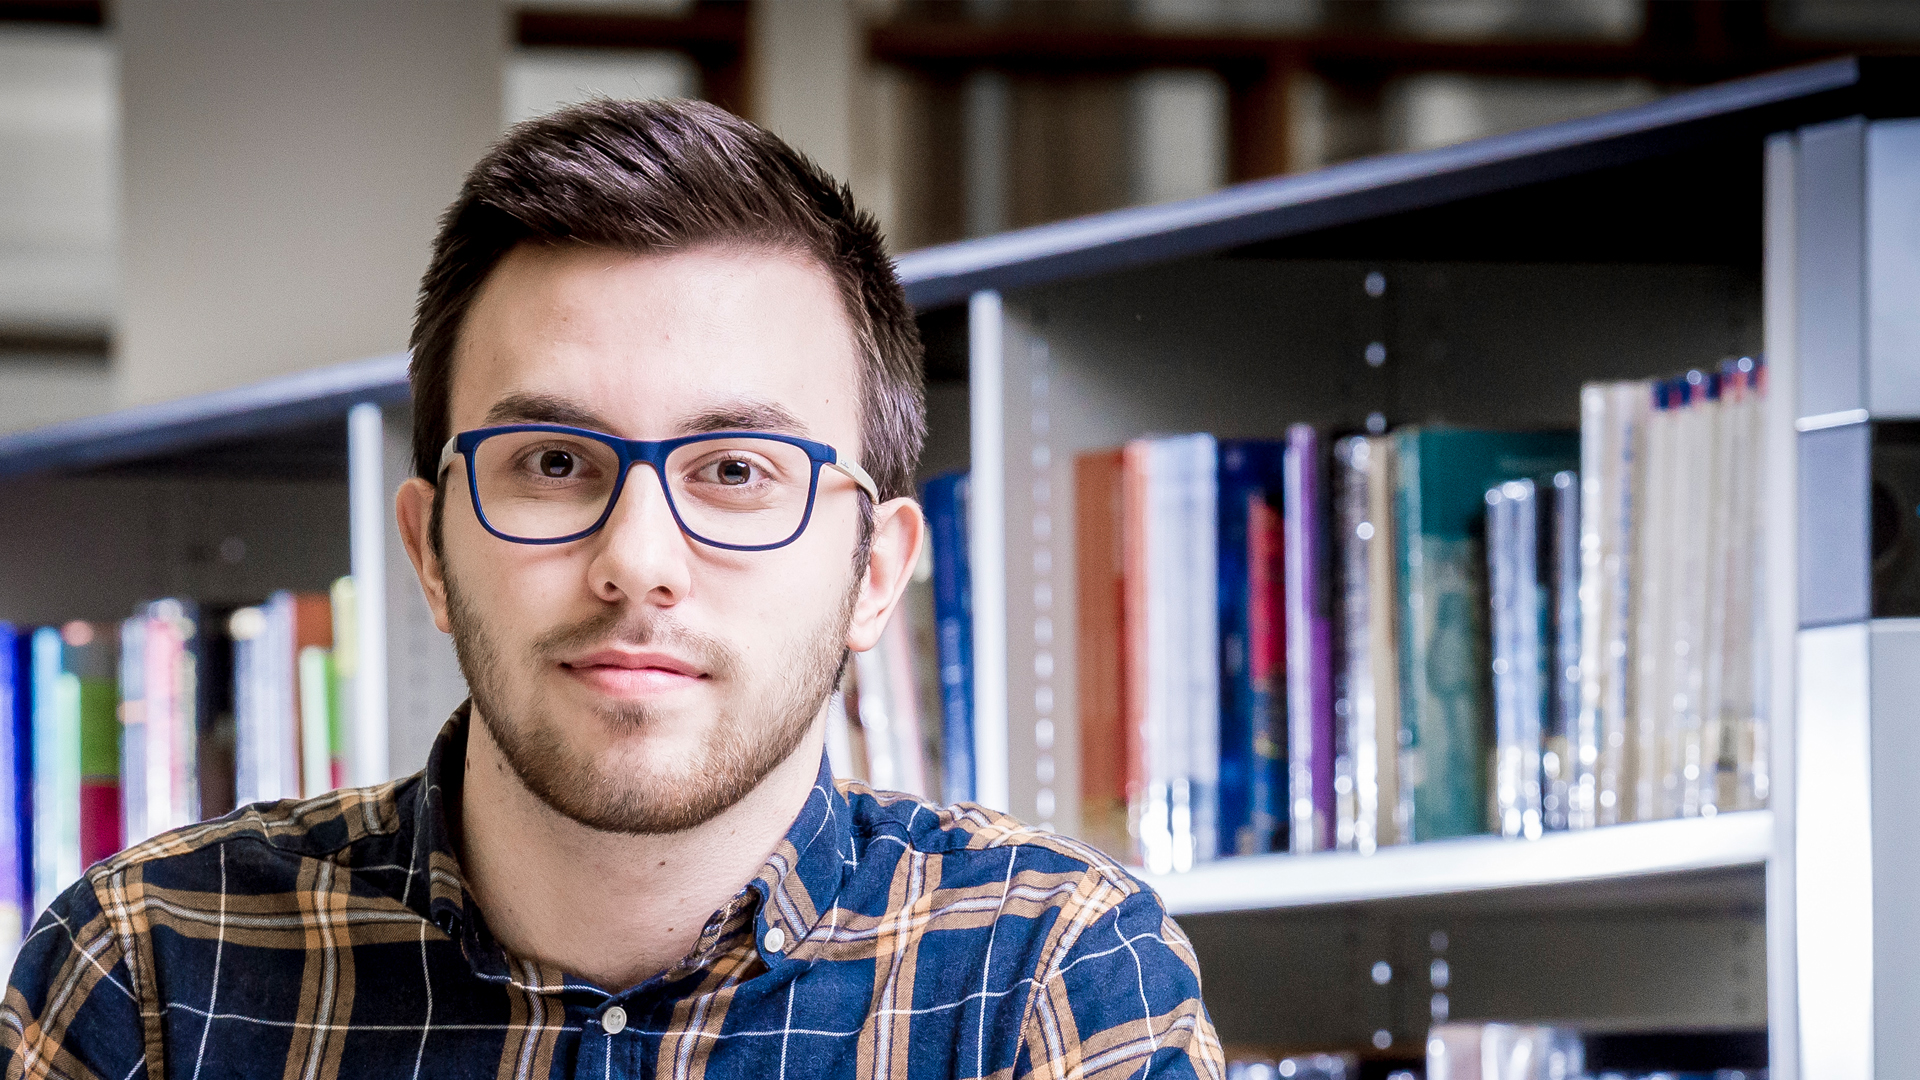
(945, 499)
(16, 710)
(1252, 791)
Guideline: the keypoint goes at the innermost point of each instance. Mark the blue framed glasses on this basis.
(553, 484)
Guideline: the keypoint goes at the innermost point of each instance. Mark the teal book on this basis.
(1446, 697)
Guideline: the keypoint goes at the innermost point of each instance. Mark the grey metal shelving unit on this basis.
(1779, 213)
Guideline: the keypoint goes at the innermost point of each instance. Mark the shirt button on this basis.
(775, 940)
(614, 1020)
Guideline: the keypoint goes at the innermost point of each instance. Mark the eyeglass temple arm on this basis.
(854, 472)
(859, 476)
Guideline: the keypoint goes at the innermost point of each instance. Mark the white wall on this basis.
(283, 170)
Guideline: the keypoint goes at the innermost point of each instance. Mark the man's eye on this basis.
(734, 472)
(557, 464)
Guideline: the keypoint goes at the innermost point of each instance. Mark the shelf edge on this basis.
(1476, 864)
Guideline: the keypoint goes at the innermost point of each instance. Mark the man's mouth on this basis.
(633, 672)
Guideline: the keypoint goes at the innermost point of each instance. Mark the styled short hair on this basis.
(650, 177)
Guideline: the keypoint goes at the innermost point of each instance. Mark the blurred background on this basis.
(196, 194)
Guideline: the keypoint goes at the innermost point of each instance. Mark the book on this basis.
(16, 824)
(1612, 432)
(345, 605)
(886, 714)
(925, 640)
(1518, 611)
(1369, 675)
(1494, 1051)
(1653, 609)
(1442, 475)
(89, 658)
(312, 615)
(946, 501)
(315, 667)
(1249, 579)
(1172, 646)
(56, 770)
(168, 708)
(1267, 671)
(1564, 676)
(1310, 729)
(1100, 668)
(1198, 528)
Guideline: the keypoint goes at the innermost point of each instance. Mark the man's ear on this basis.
(413, 511)
(899, 530)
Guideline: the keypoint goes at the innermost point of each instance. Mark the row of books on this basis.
(113, 734)
(902, 720)
(1514, 1051)
(1507, 1051)
(1434, 632)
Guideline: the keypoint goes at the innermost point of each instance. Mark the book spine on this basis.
(946, 503)
(13, 853)
(56, 826)
(1100, 670)
(896, 652)
(345, 605)
(926, 672)
(316, 758)
(1354, 709)
(1148, 815)
(244, 627)
(1232, 596)
(1166, 833)
(1201, 641)
(1652, 581)
(1383, 615)
(92, 660)
(133, 730)
(1564, 672)
(1752, 763)
(1266, 669)
(1515, 607)
(1309, 642)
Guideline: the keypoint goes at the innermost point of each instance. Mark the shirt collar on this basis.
(800, 882)
(796, 886)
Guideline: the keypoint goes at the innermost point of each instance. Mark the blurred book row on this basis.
(903, 720)
(115, 733)
(1505, 1051)
(1336, 644)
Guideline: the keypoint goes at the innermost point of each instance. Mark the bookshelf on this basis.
(1772, 214)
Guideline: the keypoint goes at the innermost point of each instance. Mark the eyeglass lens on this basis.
(742, 490)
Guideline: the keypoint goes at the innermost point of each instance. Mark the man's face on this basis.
(638, 680)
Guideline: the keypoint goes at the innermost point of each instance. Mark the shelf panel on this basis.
(1476, 864)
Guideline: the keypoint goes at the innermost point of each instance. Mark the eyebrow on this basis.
(744, 414)
(543, 409)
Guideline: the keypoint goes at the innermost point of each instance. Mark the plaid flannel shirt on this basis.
(336, 937)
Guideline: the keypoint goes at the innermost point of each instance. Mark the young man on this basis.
(667, 404)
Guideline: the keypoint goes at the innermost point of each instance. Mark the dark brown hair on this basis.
(648, 177)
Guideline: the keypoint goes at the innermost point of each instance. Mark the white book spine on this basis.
(1202, 643)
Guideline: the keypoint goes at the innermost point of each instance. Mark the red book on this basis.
(1100, 670)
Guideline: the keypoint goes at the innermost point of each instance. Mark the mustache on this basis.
(636, 628)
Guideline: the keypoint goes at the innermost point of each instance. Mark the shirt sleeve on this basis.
(70, 1010)
(1120, 998)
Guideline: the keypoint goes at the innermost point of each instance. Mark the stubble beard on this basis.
(762, 719)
